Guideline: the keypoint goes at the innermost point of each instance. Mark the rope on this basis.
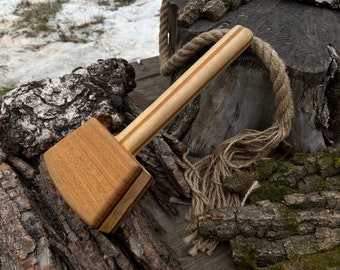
(163, 33)
(205, 177)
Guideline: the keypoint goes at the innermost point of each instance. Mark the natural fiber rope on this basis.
(163, 33)
(239, 152)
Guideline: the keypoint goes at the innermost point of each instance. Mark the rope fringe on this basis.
(237, 153)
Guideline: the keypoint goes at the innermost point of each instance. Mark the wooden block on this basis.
(93, 172)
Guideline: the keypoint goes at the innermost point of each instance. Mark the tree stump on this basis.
(297, 211)
(305, 37)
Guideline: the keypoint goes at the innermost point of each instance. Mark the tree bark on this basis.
(295, 212)
(300, 34)
(38, 230)
(208, 9)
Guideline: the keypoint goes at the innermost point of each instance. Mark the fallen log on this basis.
(38, 229)
(295, 211)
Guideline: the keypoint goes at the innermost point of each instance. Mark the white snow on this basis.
(7, 7)
(129, 32)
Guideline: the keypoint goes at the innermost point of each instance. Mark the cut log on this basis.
(241, 97)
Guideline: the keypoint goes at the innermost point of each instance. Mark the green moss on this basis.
(246, 259)
(327, 158)
(321, 185)
(328, 163)
(320, 261)
(299, 158)
(337, 162)
(6, 89)
(285, 167)
(265, 168)
(331, 156)
(293, 224)
(271, 191)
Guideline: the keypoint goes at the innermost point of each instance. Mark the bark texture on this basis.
(38, 114)
(208, 9)
(37, 229)
(295, 212)
(301, 35)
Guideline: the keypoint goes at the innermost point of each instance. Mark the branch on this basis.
(295, 212)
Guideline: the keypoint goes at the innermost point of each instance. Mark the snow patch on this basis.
(129, 32)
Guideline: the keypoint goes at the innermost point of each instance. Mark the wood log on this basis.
(39, 114)
(209, 9)
(296, 210)
(45, 233)
(242, 96)
(38, 229)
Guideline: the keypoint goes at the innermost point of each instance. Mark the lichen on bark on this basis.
(38, 230)
(208, 9)
(295, 212)
(38, 114)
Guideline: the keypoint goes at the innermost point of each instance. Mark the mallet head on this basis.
(96, 176)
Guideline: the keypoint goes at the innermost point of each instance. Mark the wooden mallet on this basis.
(97, 173)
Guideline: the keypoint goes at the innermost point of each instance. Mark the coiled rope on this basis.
(239, 152)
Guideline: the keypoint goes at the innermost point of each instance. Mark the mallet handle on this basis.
(136, 135)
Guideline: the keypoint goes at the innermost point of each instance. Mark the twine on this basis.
(234, 154)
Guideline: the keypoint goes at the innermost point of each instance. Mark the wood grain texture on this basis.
(126, 203)
(296, 31)
(92, 171)
(241, 97)
(188, 86)
(150, 84)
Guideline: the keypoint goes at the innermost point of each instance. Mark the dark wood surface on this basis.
(150, 84)
(298, 32)
(242, 97)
